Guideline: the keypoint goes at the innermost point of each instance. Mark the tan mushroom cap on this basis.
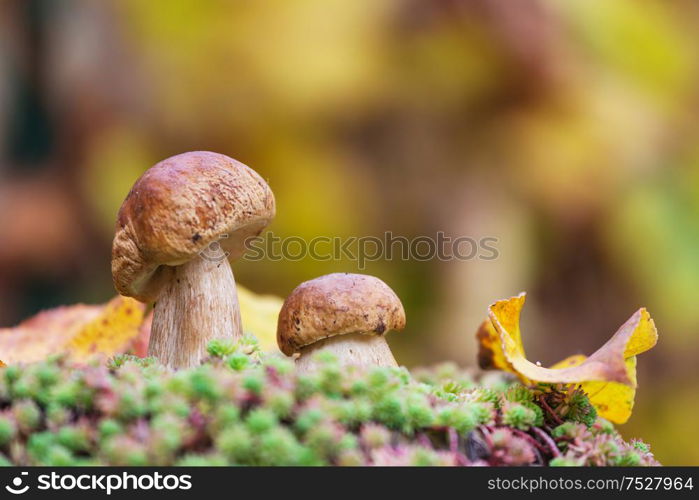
(337, 304)
(178, 208)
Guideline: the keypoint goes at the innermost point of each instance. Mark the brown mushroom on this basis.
(175, 231)
(345, 314)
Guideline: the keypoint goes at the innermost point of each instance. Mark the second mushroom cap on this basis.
(337, 304)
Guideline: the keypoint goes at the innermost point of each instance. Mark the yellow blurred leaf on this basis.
(259, 315)
(111, 332)
(79, 330)
(608, 376)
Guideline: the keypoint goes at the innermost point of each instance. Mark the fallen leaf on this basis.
(111, 332)
(608, 376)
(490, 353)
(613, 401)
(79, 330)
(259, 315)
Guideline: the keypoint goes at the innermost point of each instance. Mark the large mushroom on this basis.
(345, 314)
(175, 231)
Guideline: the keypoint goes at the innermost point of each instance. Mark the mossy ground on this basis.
(242, 407)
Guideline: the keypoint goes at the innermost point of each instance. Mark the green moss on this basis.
(224, 416)
(567, 430)
(640, 446)
(73, 438)
(261, 420)
(628, 459)
(242, 408)
(204, 385)
(194, 460)
(280, 402)
(220, 348)
(236, 443)
(308, 418)
(27, 415)
(518, 416)
(109, 427)
(279, 447)
(581, 410)
(459, 418)
(238, 361)
(563, 462)
(7, 430)
(518, 394)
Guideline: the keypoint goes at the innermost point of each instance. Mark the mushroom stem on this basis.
(199, 303)
(350, 349)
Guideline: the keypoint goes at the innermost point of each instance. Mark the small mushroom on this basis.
(175, 231)
(345, 314)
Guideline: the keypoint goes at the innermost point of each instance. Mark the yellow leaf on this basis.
(608, 376)
(259, 314)
(79, 330)
(112, 332)
(490, 353)
(613, 401)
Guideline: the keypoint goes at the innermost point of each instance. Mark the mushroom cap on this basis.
(177, 209)
(337, 304)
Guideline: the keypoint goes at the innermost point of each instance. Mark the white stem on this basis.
(198, 304)
(350, 349)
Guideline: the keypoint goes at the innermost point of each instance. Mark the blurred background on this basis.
(567, 130)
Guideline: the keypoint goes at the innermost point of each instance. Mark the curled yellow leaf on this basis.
(613, 401)
(608, 376)
(491, 356)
